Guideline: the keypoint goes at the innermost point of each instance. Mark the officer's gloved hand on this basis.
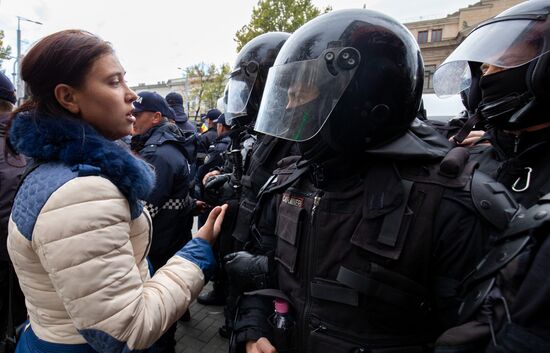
(219, 189)
(246, 271)
(216, 181)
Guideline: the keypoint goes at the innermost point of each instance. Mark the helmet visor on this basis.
(239, 88)
(506, 43)
(299, 96)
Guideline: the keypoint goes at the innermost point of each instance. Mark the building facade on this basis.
(439, 37)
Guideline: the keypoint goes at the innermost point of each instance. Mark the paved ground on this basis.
(201, 333)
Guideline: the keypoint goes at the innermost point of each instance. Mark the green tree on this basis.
(206, 84)
(277, 16)
(215, 84)
(5, 52)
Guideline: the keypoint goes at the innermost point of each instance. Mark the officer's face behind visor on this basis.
(239, 88)
(299, 96)
(518, 51)
(500, 45)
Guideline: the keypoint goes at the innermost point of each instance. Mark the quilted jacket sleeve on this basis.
(82, 237)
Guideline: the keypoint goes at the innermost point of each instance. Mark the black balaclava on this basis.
(504, 92)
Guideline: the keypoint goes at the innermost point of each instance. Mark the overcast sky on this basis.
(153, 38)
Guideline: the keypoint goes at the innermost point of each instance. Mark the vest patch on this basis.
(293, 200)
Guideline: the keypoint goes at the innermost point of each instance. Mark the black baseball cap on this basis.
(7, 91)
(153, 102)
(213, 114)
(174, 98)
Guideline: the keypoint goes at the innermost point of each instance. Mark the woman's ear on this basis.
(65, 95)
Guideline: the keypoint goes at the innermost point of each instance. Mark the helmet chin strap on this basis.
(473, 119)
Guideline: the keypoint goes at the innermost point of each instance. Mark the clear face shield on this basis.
(221, 103)
(505, 42)
(239, 87)
(299, 96)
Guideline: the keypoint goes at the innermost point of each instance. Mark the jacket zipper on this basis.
(325, 330)
(516, 144)
(329, 330)
(310, 248)
(150, 222)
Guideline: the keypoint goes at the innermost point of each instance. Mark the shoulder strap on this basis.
(522, 229)
(30, 168)
(492, 200)
(10, 329)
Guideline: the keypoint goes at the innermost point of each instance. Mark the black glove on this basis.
(246, 271)
(219, 189)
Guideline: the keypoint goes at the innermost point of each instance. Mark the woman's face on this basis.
(105, 101)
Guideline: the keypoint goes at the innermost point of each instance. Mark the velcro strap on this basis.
(246, 181)
(467, 127)
(389, 233)
(334, 293)
(269, 292)
(384, 292)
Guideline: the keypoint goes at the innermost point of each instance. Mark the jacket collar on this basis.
(72, 141)
(159, 135)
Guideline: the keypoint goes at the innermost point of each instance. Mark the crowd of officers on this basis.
(385, 232)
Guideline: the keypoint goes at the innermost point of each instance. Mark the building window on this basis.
(436, 35)
(422, 37)
(428, 78)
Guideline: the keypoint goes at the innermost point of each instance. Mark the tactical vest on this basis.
(259, 168)
(485, 313)
(354, 262)
(525, 175)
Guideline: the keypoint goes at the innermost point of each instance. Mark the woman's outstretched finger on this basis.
(219, 219)
(264, 346)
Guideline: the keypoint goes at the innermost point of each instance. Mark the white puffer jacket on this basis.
(79, 248)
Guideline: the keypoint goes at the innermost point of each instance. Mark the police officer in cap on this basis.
(216, 152)
(368, 233)
(175, 101)
(210, 135)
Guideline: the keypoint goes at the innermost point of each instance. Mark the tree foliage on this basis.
(277, 16)
(5, 52)
(206, 85)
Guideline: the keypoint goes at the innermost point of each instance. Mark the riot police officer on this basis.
(251, 157)
(368, 233)
(502, 71)
(504, 68)
(215, 156)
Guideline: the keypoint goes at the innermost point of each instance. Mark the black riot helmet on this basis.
(517, 43)
(344, 81)
(248, 76)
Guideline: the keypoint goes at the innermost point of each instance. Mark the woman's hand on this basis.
(471, 139)
(260, 346)
(210, 230)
